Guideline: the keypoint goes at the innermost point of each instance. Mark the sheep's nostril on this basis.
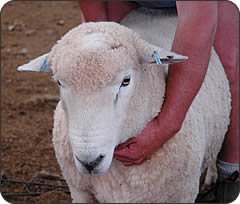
(93, 164)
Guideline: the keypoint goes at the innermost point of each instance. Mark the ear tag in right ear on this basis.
(157, 57)
(44, 66)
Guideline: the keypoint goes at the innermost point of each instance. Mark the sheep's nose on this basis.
(91, 165)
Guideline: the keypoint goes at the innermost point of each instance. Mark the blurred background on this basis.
(29, 170)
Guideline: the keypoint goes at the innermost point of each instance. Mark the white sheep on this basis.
(110, 89)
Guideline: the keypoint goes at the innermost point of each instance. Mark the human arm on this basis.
(194, 37)
(93, 10)
(99, 10)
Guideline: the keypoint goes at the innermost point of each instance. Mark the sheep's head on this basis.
(97, 67)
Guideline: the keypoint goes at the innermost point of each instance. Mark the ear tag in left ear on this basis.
(157, 57)
(44, 66)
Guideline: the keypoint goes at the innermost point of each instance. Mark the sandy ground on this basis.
(29, 29)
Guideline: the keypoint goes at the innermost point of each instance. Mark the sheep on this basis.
(110, 88)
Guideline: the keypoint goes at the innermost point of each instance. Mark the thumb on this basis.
(125, 144)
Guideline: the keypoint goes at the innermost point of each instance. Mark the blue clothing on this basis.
(160, 4)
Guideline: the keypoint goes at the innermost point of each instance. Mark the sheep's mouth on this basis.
(90, 166)
(93, 164)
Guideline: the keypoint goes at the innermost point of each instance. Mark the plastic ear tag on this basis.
(157, 57)
(44, 67)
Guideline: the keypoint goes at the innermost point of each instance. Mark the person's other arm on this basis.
(93, 10)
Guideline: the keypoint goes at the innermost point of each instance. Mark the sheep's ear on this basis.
(149, 53)
(39, 64)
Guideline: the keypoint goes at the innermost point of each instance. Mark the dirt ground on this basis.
(29, 29)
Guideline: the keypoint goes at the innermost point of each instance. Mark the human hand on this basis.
(136, 150)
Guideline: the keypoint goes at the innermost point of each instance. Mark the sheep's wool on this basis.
(96, 46)
(173, 172)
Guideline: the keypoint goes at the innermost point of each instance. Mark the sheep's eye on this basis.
(59, 83)
(126, 81)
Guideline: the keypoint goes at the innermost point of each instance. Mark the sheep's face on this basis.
(97, 81)
(95, 119)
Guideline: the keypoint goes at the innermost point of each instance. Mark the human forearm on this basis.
(194, 38)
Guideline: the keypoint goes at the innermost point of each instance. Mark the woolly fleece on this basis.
(173, 172)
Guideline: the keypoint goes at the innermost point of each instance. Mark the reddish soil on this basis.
(29, 29)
